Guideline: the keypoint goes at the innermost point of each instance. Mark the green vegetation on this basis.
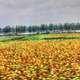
(10, 38)
(37, 37)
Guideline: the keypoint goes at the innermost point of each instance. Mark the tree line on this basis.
(43, 28)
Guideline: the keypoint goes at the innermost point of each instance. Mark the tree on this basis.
(20, 29)
(29, 29)
(0, 30)
(7, 29)
(51, 27)
(44, 28)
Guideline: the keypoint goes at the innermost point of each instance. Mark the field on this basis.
(40, 37)
(40, 57)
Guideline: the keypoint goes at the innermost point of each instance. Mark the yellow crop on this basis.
(42, 60)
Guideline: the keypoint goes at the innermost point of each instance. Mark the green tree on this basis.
(7, 29)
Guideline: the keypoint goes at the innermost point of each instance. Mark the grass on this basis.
(61, 38)
(10, 38)
(40, 37)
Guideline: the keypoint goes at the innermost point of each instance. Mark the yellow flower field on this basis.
(40, 60)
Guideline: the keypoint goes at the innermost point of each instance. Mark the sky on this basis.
(36, 12)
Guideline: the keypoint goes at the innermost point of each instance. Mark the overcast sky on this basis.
(34, 12)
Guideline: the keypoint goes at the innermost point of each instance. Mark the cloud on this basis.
(36, 3)
(39, 11)
(21, 4)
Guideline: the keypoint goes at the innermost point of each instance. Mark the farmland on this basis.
(40, 37)
(40, 57)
